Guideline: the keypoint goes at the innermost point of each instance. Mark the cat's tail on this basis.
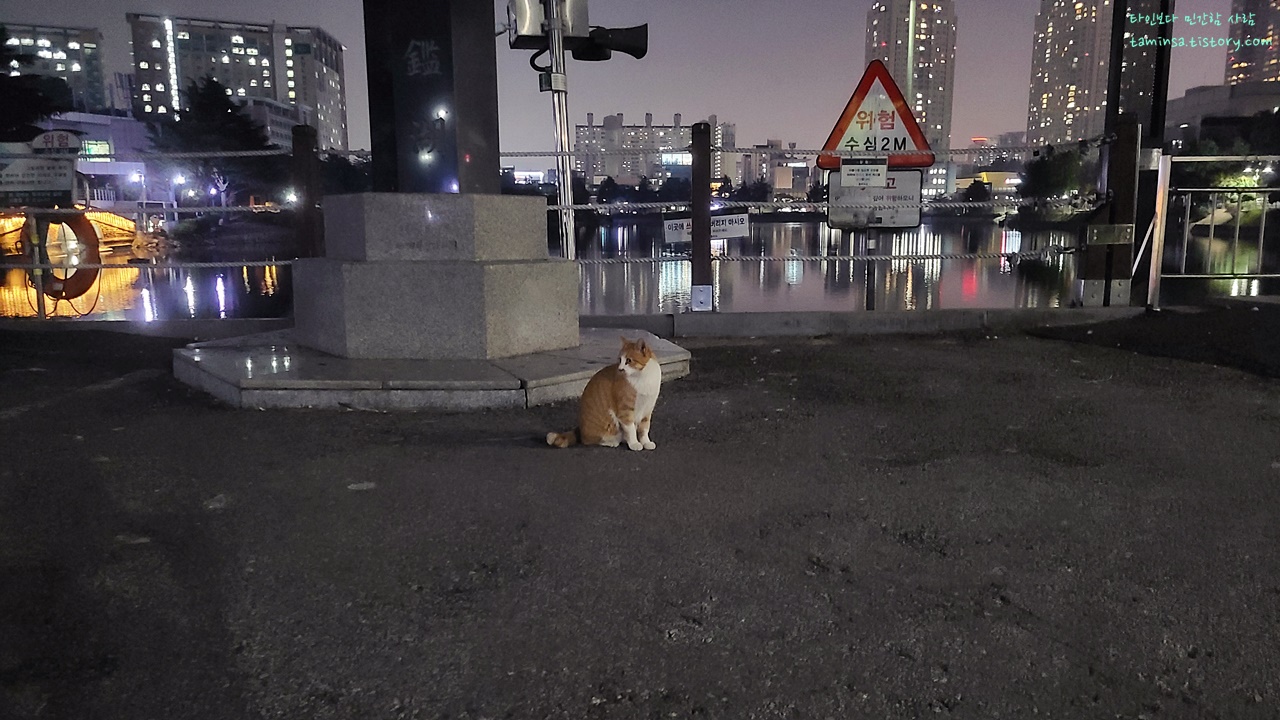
(564, 439)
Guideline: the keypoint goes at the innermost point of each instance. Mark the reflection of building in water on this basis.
(914, 283)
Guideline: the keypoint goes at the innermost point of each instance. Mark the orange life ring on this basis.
(80, 280)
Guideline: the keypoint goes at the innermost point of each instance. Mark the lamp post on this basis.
(141, 218)
(560, 106)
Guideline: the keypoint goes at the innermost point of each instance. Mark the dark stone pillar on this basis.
(433, 96)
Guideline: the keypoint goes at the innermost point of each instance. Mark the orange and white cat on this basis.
(618, 402)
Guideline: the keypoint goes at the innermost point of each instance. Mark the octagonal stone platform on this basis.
(273, 370)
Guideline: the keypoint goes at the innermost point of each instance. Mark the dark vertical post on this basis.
(1138, 85)
(433, 96)
(701, 295)
(305, 171)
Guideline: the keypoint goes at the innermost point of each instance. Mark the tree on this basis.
(341, 176)
(26, 99)
(1053, 173)
(608, 191)
(675, 190)
(212, 122)
(758, 191)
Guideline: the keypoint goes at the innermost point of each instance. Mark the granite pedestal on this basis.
(435, 277)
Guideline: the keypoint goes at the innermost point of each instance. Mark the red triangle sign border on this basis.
(876, 70)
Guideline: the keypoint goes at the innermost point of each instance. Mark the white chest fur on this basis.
(647, 382)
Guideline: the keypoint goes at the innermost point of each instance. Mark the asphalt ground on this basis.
(884, 527)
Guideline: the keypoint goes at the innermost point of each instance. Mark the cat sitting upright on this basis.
(617, 403)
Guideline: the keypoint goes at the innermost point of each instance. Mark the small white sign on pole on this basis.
(855, 208)
(722, 226)
(864, 172)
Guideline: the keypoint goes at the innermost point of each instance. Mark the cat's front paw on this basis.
(649, 444)
(635, 445)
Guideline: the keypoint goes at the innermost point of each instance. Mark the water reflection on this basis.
(742, 284)
(150, 288)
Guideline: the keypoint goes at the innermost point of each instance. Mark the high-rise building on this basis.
(294, 66)
(917, 43)
(1069, 61)
(658, 149)
(73, 54)
(1254, 26)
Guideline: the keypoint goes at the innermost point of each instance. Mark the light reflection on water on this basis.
(828, 285)
(149, 292)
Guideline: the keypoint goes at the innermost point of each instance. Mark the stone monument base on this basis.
(435, 277)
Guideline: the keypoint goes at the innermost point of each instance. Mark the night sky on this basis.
(778, 69)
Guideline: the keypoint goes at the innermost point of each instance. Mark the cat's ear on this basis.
(643, 346)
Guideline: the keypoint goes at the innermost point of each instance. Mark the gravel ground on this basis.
(887, 527)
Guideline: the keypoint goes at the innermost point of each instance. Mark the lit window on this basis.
(266, 83)
(253, 61)
(240, 92)
(266, 73)
(12, 41)
(292, 94)
(237, 39)
(59, 55)
(162, 109)
(288, 41)
(228, 91)
(43, 43)
(266, 62)
(184, 35)
(61, 67)
(28, 41)
(75, 67)
(159, 87)
(288, 73)
(226, 59)
(290, 85)
(155, 43)
(146, 86)
(253, 83)
(143, 65)
(146, 97)
(146, 108)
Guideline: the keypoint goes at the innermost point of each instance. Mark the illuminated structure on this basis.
(917, 43)
(281, 65)
(595, 147)
(73, 54)
(1253, 21)
(1069, 62)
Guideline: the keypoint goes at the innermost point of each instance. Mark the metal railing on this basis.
(1234, 201)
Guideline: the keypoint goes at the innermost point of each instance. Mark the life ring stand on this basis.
(81, 280)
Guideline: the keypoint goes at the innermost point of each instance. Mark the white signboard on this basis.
(902, 187)
(45, 177)
(722, 226)
(864, 172)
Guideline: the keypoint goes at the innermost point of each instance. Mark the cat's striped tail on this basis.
(564, 439)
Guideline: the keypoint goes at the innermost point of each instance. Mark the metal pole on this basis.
(35, 242)
(560, 104)
(1262, 226)
(700, 199)
(1157, 239)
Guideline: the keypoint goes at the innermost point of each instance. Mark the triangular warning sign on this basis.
(878, 120)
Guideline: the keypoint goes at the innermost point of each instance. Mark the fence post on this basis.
(1156, 264)
(701, 291)
(35, 241)
(305, 169)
